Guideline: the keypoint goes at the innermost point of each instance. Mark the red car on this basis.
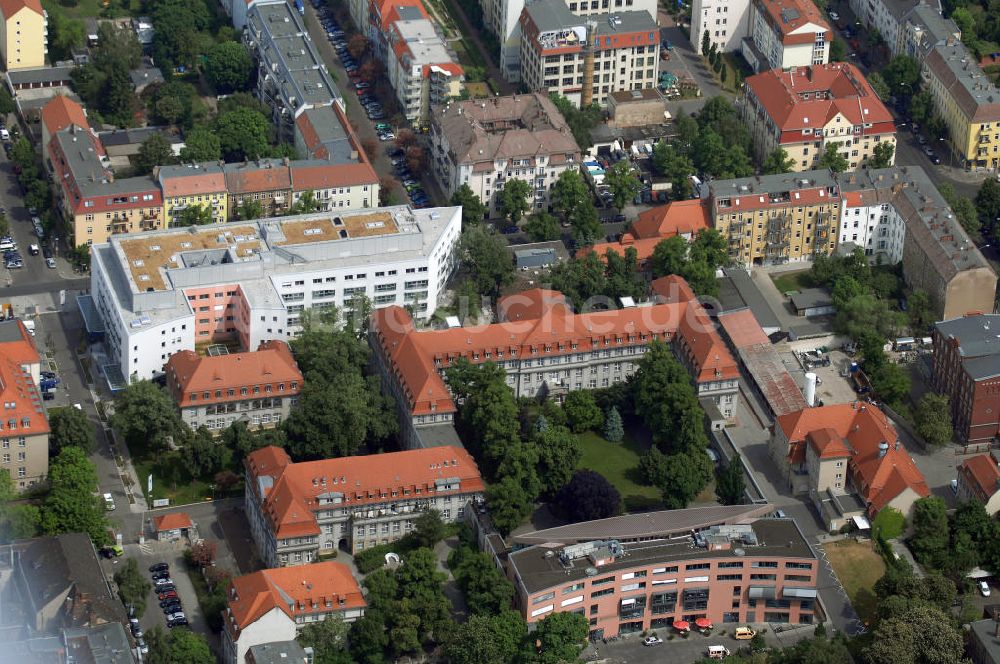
(167, 595)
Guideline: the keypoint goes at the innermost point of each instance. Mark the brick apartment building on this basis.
(967, 368)
(299, 512)
(545, 348)
(979, 480)
(756, 572)
(259, 387)
(804, 109)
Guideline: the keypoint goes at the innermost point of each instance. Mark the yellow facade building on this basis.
(192, 185)
(23, 34)
(968, 102)
(774, 219)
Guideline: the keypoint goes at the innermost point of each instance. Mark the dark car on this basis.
(161, 574)
(170, 601)
(177, 622)
(46, 252)
(159, 567)
(166, 588)
(619, 217)
(170, 609)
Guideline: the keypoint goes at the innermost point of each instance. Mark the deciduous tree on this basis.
(582, 411)
(486, 256)
(777, 161)
(882, 155)
(473, 210)
(201, 144)
(228, 67)
(243, 134)
(69, 427)
(154, 151)
(194, 215)
(569, 193)
(686, 472)
(833, 159)
(328, 639)
(558, 455)
(145, 415)
(71, 505)
(514, 199)
(558, 638)
(486, 638)
(133, 587)
(541, 227)
(930, 531)
(730, 484)
(179, 646)
(509, 504)
(589, 496)
(933, 418)
(623, 181)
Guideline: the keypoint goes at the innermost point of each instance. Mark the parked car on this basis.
(167, 595)
(984, 589)
(176, 622)
(161, 574)
(159, 567)
(46, 252)
(51, 262)
(162, 582)
(109, 501)
(652, 641)
(164, 589)
(172, 605)
(141, 645)
(106, 551)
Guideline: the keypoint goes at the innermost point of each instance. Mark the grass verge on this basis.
(858, 566)
(619, 464)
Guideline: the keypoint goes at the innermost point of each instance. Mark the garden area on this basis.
(792, 281)
(619, 464)
(858, 566)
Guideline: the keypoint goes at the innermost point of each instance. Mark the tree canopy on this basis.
(589, 496)
(71, 505)
(229, 67)
(70, 427)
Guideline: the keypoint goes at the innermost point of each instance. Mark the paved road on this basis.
(363, 127)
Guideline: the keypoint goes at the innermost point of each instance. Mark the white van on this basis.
(4, 135)
(718, 652)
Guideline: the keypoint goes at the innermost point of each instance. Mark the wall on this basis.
(23, 38)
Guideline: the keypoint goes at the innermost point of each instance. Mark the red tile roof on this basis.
(789, 17)
(299, 590)
(253, 178)
(11, 7)
(810, 97)
(827, 443)
(536, 322)
(61, 112)
(272, 364)
(26, 416)
(289, 492)
(175, 521)
(656, 224)
(984, 472)
(311, 176)
(193, 183)
(742, 328)
(879, 479)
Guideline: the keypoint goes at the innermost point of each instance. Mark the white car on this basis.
(984, 589)
(109, 502)
(652, 641)
(835, 16)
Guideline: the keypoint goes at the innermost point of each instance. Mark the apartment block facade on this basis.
(193, 185)
(545, 348)
(762, 571)
(422, 68)
(802, 110)
(256, 278)
(24, 426)
(727, 24)
(273, 604)
(786, 33)
(486, 143)
(300, 512)
(625, 49)
(259, 388)
(24, 34)
(966, 367)
(777, 218)
(968, 102)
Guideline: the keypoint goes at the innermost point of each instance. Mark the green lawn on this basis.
(858, 566)
(95, 8)
(619, 463)
(170, 479)
(792, 281)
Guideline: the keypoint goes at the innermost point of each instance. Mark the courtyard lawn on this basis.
(619, 463)
(858, 566)
(792, 281)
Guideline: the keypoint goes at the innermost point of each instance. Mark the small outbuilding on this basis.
(813, 302)
(171, 527)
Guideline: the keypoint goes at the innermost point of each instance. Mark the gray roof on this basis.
(537, 571)
(54, 566)
(287, 53)
(776, 186)
(279, 652)
(438, 435)
(40, 75)
(737, 291)
(809, 298)
(555, 15)
(331, 135)
(145, 76)
(10, 331)
(425, 44)
(118, 137)
(937, 29)
(102, 644)
(976, 335)
(984, 642)
(959, 73)
(663, 524)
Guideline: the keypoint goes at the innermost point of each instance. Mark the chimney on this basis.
(883, 449)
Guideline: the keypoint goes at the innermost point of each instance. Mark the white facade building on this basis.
(868, 218)
(726, 22)
(502, 18)
(161, 292)
(785, 34)
(422, 68)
